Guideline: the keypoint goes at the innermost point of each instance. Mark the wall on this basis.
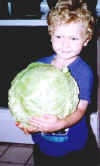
(9, 132)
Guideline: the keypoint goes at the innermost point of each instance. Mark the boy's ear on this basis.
(86, 42)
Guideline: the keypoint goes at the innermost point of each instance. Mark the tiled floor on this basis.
(12, 154)
(16, 154)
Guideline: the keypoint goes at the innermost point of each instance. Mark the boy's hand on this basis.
(47, 123)
(27, 131)
(19, 125)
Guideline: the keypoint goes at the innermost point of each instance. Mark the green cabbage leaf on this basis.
(40, 88)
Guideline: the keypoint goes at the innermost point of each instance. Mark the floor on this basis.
(16, 154)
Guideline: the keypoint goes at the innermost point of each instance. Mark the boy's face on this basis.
(68, 40)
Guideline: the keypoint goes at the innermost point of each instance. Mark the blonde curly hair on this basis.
(66, 11)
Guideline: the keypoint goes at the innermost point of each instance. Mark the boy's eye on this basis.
(58, 36)
(74, 38)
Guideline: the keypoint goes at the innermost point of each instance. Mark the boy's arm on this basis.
(50, 123)
(77, 115)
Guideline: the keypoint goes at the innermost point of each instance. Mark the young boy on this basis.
(70, 28)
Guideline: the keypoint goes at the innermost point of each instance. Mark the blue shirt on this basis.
(73, 139)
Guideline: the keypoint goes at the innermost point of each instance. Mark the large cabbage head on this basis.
(40, 88)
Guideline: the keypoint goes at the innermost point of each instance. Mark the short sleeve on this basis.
(83, 75)
(86, 85)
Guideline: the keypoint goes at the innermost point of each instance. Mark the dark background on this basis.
(19, 46)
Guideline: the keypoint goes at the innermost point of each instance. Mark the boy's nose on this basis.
(66, 43)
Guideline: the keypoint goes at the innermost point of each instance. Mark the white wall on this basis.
(9, 132)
